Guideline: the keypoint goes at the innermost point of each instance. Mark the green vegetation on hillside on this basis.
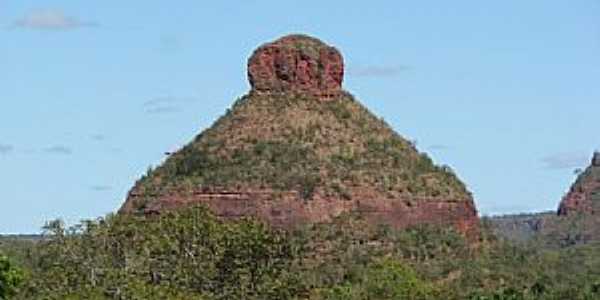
(190, 254)
(294, 142)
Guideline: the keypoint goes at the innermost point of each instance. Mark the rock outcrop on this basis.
(296, 63)
(287, 209)
(584, 194)
(298, 149)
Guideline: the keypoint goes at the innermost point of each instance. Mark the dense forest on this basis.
(191, 254)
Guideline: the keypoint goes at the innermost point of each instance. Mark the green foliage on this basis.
(130, 257)
(383, 279)
(261, 165)
(11, 278)
(190, 254)
(503, 294)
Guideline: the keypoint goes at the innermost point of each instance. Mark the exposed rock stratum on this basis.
(584, 195)
(297, 63)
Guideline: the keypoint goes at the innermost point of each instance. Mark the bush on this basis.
(383, 279)
(188, 254)
(11, 278)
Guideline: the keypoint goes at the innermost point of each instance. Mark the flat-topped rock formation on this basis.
(298, 149)
(296, 63)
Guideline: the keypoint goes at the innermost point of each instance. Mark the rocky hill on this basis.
(576, 221)
(584, 195)
(297, 149)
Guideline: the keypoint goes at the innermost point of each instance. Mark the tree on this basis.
(10, 278)
(383, 279)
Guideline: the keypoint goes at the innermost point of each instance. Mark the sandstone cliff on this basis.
(299, 149)
(584, 195)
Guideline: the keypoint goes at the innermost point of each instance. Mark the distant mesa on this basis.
(298, 149)
(584, 195)
(296, 63)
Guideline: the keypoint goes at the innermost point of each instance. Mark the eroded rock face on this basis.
(296, 63)
(576, 201)
(584, 195)
(289, 209)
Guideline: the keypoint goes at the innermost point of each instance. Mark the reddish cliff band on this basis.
(584, 195)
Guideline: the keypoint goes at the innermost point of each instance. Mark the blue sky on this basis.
(94, 92)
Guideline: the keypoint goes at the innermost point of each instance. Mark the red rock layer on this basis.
(299, 64)
(287, 209)
(579, 198)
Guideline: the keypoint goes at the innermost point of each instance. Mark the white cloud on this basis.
(101, 188)
(438, 147)
(165, 105)
(169, 44)
(378, 71)
(63, 150)
(6, 149)
(565, 160)
(98, 137)
(51, 19)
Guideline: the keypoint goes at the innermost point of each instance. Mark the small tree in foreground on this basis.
(10, 278)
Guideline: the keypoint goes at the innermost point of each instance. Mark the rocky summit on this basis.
(584, 194)
(298, 149)
(296, 63)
